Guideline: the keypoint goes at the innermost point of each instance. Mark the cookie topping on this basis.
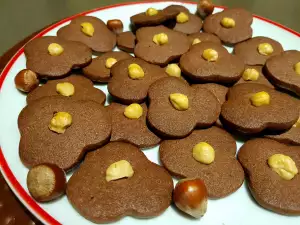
(55, 49)
(265, 49)
(283, 165)
(118, 170)
(160, 39)
(133, 111)
(260, 99)
(151, 12)
(297, 124)
(297, 68)
(65, 88)
(182, 18)
(135, 71)
(87, 28)
(60, 122)
(204, 153)
(179, 101)
(196, 41)
(210, 55)
(250, 74)
(173, 70)
(110, 62)
(228, 22)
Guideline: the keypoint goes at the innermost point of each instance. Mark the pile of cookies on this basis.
(182, 89)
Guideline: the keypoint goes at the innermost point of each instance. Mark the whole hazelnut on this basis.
(190, 196)
(115, 26)
(26, 80)
(205, 8)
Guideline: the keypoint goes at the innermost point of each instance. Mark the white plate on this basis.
(238, 208)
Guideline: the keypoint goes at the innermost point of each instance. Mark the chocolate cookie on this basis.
(176, 108)
(257, 50)
(211, 62)
(52, 57)
(56, 130)
(82, 90)
(284, 70)
(161, 54)
(147, 193)
(231, 25)
(130, 84)
(252, 108)
(267, 187)
(222, 177)
(126, 41)
(131, 130)
(91, 31)
(197, 38)
(99, 69)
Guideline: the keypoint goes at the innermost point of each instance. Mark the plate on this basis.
(239, 208)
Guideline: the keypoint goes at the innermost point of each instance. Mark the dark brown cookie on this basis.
(239, 113)
(147, 193)
(134, 131)
(83, 90)
(203, 108)
(226, 68)
(249, 53)
(203, 37)
(231, 35)
(98, 71)
(128, 90)
(222, 177)
(102, 40)
(218, 90)
(284, 70)
(151, 52)
(90, 128)
(126, 41)
(267, 187)
(39, 59)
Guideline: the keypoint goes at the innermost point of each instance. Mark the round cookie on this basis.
(267, 187)
(151, 52)
(238, 112)
(128, 90)
(90, 128)
(126, 41)
(203, 108)
(222, 177)
(83, 90)
(147, 193)
(102, 40)
(38, 58)
(282, 71)
(232, 35)
(248, 50)
(204, 37)
(226, 69)
(97, 71)
(134, 131)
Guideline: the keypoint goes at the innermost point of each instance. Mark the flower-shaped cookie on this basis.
(132, 130)
(91, 31)
(176, 108)
(211, 62)
(99, 69)
(53, 57)
(198, 37)
(222, 175)
(252, 108)
(267, 187)
(81, 89)
(57, 130)
(284, 70)
(176, 44)
(146, 192)
(127, 88)
(231, 25)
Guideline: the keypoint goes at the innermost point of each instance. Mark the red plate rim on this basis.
(5, 169)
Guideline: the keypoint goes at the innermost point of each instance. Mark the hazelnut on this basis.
(26, 80)
(60, 122)
(179, 101)
(250, 74)
(87, 28)
(297, 124)
(205, 8)
(260, 99)
(297, 68)
(115, 26)
(110, 62)
(196, 41)
(46, 182)
(55, 49)
(265, 49)
(65, 88)
(228, 22)
(182, 18)
(190, 196)
(133, 111)
(118, 170)
(151, 12)
(210, 55)
(204, 153)
(135, 71)
(283, 165)
(160, 39)
(173, 70)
